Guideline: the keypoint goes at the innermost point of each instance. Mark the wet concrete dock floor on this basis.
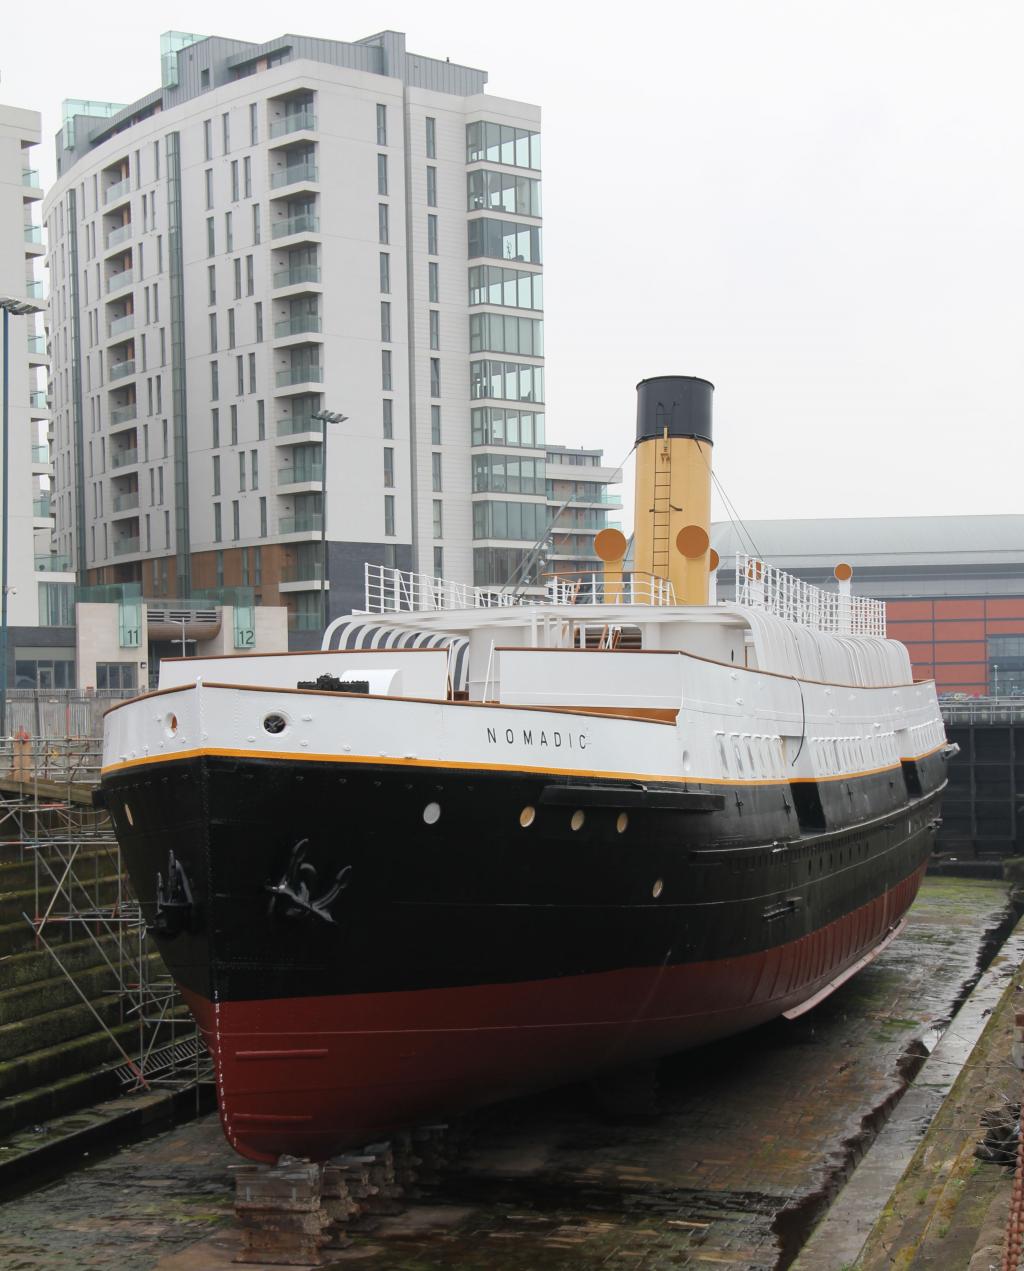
(750, 1140)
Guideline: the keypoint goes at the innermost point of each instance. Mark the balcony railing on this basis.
(127, 323)
(292, 174)
(303, 571)
(41, 505)
(122, 414)
(34, 289)
(37, 398)
(307, 522)
(119, 235)
(300, 375)
(299, 325)
(33, 233)
(304, 622)
(300, 472)
(116, 281)
(293, 123)
(123, 546)
(122, 458)
(305, 223)
(37, 344)
(125, 502)
(30, 176)
(297, 275)
(41, 453)
(120, 369)
(297, 424)
(118, 190)
(51, 563)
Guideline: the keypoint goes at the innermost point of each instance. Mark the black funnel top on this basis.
(680, 403)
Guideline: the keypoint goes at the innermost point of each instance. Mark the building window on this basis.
(237, 264)
(385, 273)
(255, 223)
(240, 375)
(488, 191)
(247, 176)
(508, 381)
(214, 382)
(259, 321)
(218, 565)
(252, 372)
(225, 121)
(382, 125)
(438, 562)
(216, 475)
(431, 187)
(57, 604)
(254, 124)
(263, 529)
(501, 143)
(250, 275)
(208, 139)
(385, 321)
(382, 174)
(241, 471)
(211, 284)
(261, 420)
(438, 519)
(234, 425)
(513, 288)
(435, 425)
(214, 429)
(435, 470)
(209, 188)
(254, 469)
(385, 369)
(116, 677)
(211, 237)
(235, 520)
(505, 240)
(431, 127)
(234, 180)
(231, 328)
(432, 282)
(213, 338)
(229, 238)
(435, 328)
(389, 515)
(435, 377)
(389, 417)
(382, 223)
(496, 426)
(503, 333)
(217, 530)
(389, 467)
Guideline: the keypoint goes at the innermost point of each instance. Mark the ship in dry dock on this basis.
(484, 842)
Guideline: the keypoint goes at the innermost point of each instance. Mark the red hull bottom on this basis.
(309, 1076)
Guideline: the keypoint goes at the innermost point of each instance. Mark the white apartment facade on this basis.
(279, 230)
(40, 588)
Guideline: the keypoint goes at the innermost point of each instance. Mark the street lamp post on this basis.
(326, 417)
(9, 305)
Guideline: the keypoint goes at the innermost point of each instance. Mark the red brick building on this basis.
(953, 586)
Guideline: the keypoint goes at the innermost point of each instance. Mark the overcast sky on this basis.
(817, 205)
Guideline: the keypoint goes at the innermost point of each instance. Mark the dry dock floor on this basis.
(752, 1139)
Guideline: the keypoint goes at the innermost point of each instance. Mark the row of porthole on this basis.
(432, 814)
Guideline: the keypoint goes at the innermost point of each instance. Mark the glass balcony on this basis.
(30, 176)
(41, 453)
(304, 622)
(300, 375)
(300, 472)
(122, 458)
(33, 233)
(37, 398)
(127, 323)
(41, 505)
(116, 281)
(293, 123)
(118, 191)
(37, 344)
(119, 235)
(120, 369)
(305, 571)
(291, 175)
(51, 563)
(298, 325)
(123, 546)
(296, 424)
(34, 289)
(125, 502)
(297, 275)
(307, 522)
(122, 414)
(305, 223)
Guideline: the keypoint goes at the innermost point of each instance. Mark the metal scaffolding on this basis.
(80, 892)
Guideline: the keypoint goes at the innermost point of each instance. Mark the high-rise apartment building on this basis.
(277, 231)
(38, 591)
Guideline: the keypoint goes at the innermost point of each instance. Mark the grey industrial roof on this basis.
(880, 542)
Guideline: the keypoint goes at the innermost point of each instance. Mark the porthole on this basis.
(172, 724)
(274, 724)
(432, 813)
(621, 822)
(527, 816)
(578, 818)
(658, 888)
(128, 815)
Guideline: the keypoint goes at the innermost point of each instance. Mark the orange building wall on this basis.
(946, 639)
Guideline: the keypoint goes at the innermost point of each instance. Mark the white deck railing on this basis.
(763, 586)
(402, 591)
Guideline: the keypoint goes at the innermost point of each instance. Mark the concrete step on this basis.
(36, 964)
(96, 893)
(56, 1026)
(20, 869)
(43, 996)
